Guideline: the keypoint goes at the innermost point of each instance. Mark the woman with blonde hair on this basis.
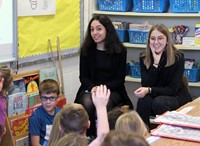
(162, 69)
(131, 121)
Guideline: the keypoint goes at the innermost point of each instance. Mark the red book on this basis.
(19, 126)
(30, 110)
(61, 102)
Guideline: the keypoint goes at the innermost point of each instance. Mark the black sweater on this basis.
(166, 80)
(117, 73)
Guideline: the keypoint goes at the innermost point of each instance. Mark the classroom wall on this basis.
(71, 71)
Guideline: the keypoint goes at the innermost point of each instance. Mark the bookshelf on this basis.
(167, 18)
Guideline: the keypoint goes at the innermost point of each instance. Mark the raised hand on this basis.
(100, 96)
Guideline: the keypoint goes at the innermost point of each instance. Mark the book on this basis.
(177, 132)
(61, 102)
(18, 86)
(30, 110)
(32, 83)
(19, 126)
(178, 119)
(33, 99)
(48, 73)
(17, 103)
(22, 141)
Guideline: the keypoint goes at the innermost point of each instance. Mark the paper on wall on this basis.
(36, 7)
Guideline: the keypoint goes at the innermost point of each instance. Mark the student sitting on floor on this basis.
(72, 139)
(41, 120)
(123, 138)
(73, 118)
(131, 121)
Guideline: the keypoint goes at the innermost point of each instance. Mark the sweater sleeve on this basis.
(168, 81)
(85, 73)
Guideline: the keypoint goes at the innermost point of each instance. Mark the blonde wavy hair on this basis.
(131, 121)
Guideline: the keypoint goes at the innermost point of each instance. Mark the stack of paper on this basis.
(179, 126)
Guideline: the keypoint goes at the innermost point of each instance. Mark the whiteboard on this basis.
(8, 30)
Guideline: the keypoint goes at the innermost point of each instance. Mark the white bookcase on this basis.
(169, 19)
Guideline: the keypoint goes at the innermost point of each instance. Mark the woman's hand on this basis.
(141, 92)
(94, 89)
(156, 56)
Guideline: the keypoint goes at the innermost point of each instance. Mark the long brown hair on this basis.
(171, 50)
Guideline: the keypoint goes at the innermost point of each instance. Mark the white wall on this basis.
(70, 74)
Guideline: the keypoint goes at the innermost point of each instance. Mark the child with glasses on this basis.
(41, 121)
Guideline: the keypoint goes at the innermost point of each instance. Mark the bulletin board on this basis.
(8, 31)
(35, 31)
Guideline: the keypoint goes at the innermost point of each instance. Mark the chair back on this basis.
(185, 82)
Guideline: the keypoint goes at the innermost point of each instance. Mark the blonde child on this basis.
(123, 138)
(131, 121)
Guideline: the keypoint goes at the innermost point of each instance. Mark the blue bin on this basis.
(123, 35)
(151, 6)
(192, 74)
(138, 36)
(185, 6)
(135, 71)
(115, 5)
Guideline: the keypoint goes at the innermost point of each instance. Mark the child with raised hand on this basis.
(41, 121)
(100, 99)
(6, 81)
(73, 118)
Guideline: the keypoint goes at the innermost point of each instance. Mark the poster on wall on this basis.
(36, 7)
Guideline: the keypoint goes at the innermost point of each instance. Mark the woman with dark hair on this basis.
(162, 68)
(102, 61)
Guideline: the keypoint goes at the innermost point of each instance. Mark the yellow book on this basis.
(197, 34)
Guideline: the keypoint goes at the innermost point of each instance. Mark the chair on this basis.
(185, 82)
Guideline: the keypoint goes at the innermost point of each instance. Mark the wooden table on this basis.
(174, 142)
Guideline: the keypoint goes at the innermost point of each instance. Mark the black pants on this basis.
(155, 106)
(86, 100)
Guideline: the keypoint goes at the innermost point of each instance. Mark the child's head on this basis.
(123, 138)
(49, 86)
(113, 115)
(72, 139)
(74, 118)
(131, 121)
(7, 74)
(49, 94)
